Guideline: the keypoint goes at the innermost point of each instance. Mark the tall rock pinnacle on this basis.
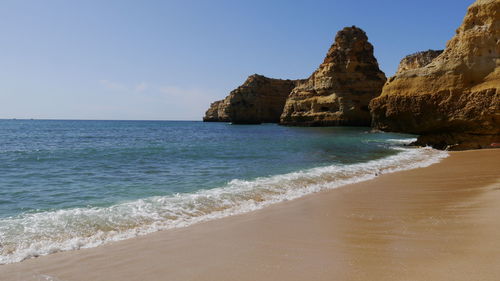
(339, 91)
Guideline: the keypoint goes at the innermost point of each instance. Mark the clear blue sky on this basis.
(167, 60)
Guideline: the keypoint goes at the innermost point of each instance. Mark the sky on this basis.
(167, 60)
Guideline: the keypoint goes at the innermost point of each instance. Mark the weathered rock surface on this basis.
(212, 114)
(417, 60)
(259, 100)
(339, 91)
(453, 102)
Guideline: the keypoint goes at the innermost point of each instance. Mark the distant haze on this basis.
(167, 60)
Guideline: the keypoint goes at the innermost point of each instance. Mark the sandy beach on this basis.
(434, 223)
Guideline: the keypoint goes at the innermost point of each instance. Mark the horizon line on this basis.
(77, 119)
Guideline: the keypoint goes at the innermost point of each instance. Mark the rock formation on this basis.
(417, 60)
(453, 102)
(212, 114)
(339, 91)
(258, 100)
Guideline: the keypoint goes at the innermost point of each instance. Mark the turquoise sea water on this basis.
(70, 184)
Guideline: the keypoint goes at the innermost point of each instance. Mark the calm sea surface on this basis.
(70, 184)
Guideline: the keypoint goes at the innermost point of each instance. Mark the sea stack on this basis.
(454, 101)
(259, 100)
(339, 91)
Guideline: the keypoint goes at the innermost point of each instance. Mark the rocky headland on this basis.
(213, 115)
(339, 91)
(258, 100)
(454, 101)
(450, 98)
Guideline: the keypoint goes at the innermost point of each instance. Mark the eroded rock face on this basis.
(212, 114)
(453, 102)
(258, 100)
(417, 60)
(339, 91)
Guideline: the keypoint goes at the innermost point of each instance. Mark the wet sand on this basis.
(436, 223)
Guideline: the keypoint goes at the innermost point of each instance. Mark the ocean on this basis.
(66, 185)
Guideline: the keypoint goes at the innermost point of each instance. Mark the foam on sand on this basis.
(35, 234)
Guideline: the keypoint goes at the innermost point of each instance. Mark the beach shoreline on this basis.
(432, 223)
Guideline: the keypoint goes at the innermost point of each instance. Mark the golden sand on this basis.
(436, 223)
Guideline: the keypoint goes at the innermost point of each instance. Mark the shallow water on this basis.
(70, 184)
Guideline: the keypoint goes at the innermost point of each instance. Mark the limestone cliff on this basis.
(417, 60)
(339, 91)
(212, 114)
(258, 100)
(453, 102)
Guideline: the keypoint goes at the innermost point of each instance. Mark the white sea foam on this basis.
(402, 141)
(36, 234)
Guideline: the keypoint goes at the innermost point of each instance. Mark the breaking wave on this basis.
(35, 234)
